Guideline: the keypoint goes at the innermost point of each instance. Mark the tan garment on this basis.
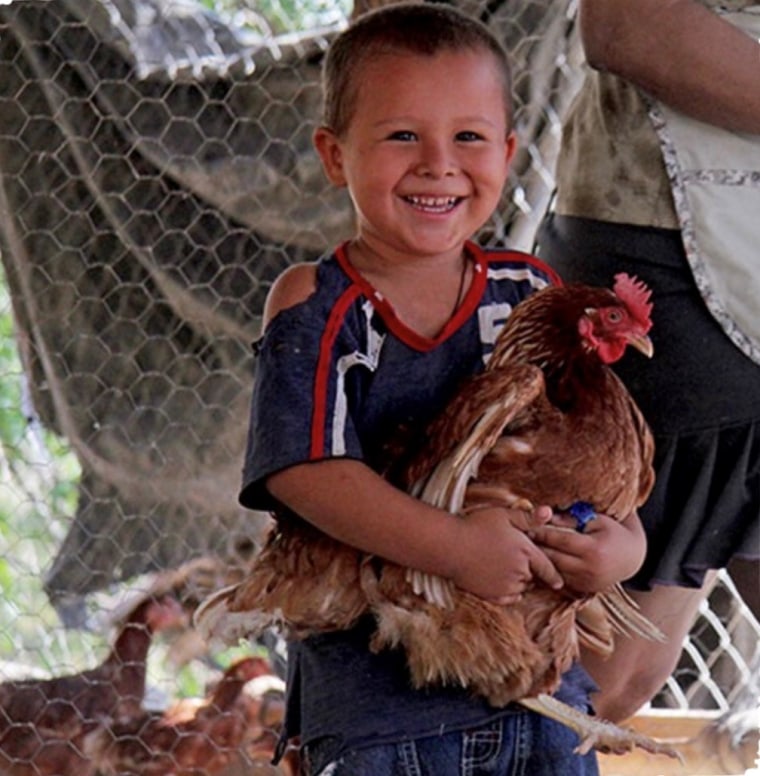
(610, 165)
(628, 159)
(715, 179)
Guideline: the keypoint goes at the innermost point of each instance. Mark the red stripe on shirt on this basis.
(322, 376)
(480, 258)
(400, 330)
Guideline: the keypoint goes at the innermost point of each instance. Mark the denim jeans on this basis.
(519, 744)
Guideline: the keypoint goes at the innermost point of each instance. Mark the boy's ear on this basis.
(510, 147)
(329, 149)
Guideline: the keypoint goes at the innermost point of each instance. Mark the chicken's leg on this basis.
(596, 733)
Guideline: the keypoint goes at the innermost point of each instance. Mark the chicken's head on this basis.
(248, 668)
(609, 329)
(160, 613)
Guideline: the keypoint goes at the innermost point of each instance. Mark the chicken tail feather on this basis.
(221, 626)
(626, 617)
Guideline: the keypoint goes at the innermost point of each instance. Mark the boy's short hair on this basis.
(407, 27)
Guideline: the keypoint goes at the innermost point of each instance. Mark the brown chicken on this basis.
(547, 422)
(42, 722)
(193, 736)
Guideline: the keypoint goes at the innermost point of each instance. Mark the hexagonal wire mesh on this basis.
(157, 174)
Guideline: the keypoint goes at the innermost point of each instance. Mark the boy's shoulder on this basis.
(293, 286)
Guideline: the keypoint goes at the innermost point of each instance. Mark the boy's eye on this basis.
(403, 135)
(468, 136)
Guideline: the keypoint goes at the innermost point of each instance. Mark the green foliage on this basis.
(12, 423)
(39, 475)
(281, 16)
(38, 491)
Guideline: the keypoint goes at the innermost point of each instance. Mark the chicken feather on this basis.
(547, 422)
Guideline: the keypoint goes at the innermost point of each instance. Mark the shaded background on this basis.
(156, 174)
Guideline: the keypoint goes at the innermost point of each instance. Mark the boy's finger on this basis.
(557, 536)
(545, 570)
(542, 514)
(564, 521)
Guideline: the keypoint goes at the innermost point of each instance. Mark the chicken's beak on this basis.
(643, 344)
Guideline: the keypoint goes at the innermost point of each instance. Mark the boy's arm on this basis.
(680, 52)
(608, 551)
(482, 553)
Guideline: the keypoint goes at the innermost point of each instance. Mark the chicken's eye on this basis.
(614, 316)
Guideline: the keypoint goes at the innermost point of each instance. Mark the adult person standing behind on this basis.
(659, 176)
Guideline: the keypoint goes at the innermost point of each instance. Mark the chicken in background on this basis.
(43, 721)
(228, 728)
(192, 582)
(265, 697)
(547, 422)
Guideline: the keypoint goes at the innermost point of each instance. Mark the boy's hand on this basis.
(608, 551)
(498, 560)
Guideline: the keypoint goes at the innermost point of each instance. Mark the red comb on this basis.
(634, 294)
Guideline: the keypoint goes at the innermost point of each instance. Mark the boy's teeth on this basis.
(434, 203)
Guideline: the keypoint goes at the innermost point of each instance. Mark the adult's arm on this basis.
(681, 53)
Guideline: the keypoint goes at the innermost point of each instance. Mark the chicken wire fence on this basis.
(156, 174)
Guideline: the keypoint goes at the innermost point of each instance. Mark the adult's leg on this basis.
(638, 668)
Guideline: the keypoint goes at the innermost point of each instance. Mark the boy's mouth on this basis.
(433, 204)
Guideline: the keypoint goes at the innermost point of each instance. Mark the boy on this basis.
(374, 339)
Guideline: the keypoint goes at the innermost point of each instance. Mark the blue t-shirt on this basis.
(340, 376)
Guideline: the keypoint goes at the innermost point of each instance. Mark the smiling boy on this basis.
(374, 339)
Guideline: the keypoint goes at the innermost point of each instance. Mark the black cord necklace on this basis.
(460, 292)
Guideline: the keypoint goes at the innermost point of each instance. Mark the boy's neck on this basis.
(424, 293)
(369, 261)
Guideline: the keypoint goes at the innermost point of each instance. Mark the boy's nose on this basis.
(436, 161)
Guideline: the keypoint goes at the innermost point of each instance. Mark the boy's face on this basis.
(426, 153)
